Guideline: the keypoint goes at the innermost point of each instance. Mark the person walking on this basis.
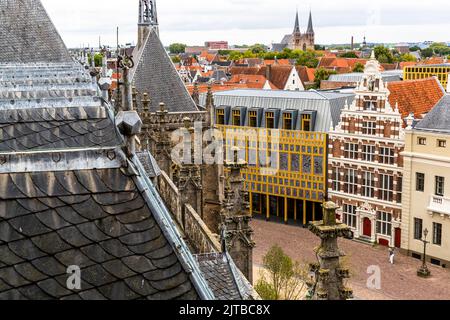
(391, 255)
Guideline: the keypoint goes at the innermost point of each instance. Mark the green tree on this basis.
(427, 53)
(440, 48)
(383, 54)
(258, 48)
(322, 74)
(176, 59)
(284, 278)
(308, 59)
(414, 49)
(98, 59)
(349, 54)
(359, 67)
(177, 48)
(407, 57)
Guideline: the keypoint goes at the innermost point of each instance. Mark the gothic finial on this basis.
(145, 102)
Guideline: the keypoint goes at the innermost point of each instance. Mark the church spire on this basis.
(297, 24)
(148, 19)
(147, 13)
(310, 24)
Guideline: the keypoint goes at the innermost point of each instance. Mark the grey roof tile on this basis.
(40, 42)
(155, 74)
(438, 119)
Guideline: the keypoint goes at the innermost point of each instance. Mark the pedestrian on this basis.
(391, 255)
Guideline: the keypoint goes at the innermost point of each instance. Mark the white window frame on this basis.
(384, 223)
(386, 193)
(352, 181)
(368, 152)
(368, 190)
(351, 150)
(387, 155)
(349, 212)
(369, 128)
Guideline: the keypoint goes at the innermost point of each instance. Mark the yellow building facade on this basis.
(427, 71)
(286, 174)
(283, 136)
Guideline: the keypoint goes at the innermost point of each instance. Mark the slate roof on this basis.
(150, 165)
(28, 35)
(69, 196)
(221, 274)
(155, 74)
(438, 120)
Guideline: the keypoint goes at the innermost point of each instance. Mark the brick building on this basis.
(365, 161)
(365, 165)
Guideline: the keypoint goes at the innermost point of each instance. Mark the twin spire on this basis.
(310, 29)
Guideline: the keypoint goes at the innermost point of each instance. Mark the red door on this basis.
(398, 238)
(367, 227)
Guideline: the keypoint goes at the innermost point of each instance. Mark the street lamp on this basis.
(423, 270)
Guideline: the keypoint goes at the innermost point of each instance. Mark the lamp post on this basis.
(423, 270)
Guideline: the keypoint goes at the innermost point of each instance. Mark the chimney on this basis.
(269, 72)
(353, 43)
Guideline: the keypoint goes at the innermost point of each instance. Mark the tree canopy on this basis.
(359, 67)
(322, 74)
(177, 48)
(383, 54)
(349, 54)
(285, 280)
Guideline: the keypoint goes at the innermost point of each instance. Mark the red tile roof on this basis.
(415, 96)
(282, 62)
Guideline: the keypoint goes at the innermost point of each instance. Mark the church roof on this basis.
(70, 197)
(156, 75)
(28, 35)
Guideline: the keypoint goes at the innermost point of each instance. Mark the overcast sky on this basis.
(251, 21)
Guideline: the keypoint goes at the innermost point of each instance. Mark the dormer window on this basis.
(252, 119)
(236, 118)
(287, 121)
(220, 117)
(306, 122)
(270, 120)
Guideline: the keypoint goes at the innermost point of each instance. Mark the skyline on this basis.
(193, 23)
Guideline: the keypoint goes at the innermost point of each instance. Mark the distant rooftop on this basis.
(354, 77)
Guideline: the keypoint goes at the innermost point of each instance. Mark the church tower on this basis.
(299, 40)
(310, 35)
(297, 35)
(148, 19)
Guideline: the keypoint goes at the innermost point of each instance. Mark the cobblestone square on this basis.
(399, 281)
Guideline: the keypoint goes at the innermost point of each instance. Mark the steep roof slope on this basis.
(439, 117)
(28, 35)
(156, 75)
